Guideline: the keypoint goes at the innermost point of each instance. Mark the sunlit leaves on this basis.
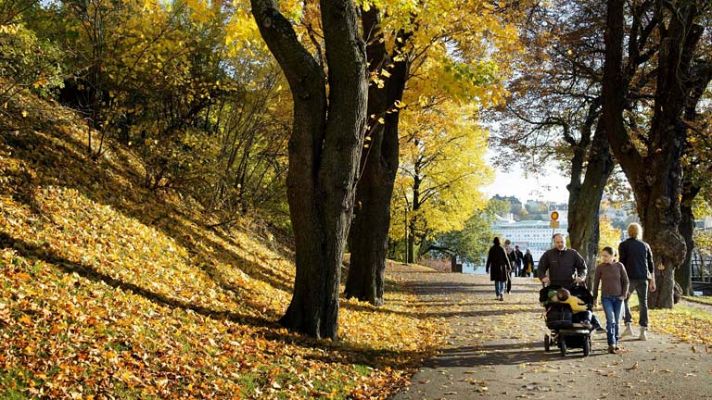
(27, 61)
(443, 149)
(67, 330)
(609, 235)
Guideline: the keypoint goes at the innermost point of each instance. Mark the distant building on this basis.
(704, 224)
(529, 234)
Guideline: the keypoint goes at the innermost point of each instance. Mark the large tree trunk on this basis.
(368, 238)
(656, 176)
(683, 275)
(585, 196)
(661, 212)
(324, 154)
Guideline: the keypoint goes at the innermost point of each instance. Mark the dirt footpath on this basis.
(496, 351)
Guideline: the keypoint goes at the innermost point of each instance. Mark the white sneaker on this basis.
(643, 335)
(627, 331)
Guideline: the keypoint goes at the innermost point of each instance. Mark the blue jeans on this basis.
(640, 286)
(499, 287)
(612, 306)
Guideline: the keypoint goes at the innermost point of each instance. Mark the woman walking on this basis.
(528, 264)
(614, 284)
(498, 267)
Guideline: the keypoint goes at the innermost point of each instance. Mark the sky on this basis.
(550, 185)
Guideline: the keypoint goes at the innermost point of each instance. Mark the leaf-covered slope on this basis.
(108, 288)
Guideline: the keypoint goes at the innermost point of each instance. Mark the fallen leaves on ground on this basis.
(688, 324)
(111, 291)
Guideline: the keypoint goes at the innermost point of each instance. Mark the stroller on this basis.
(567, 329)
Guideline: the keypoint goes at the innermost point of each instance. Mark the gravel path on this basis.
(495, 351)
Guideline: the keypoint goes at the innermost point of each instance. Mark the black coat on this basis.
(497, 264)
(561, 265)
(529, 260)
(637, 258)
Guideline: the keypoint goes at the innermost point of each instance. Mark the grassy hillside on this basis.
(108, 289)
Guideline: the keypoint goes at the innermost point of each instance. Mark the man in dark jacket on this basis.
(637, 258)
(564, 266)
(498, 267)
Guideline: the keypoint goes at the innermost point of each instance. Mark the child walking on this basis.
(614, 289)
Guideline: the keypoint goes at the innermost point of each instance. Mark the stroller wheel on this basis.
(547, 342)
(562, 346)
(587, 346)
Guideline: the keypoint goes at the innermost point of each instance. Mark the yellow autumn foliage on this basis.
(108, 287)
(444, 149)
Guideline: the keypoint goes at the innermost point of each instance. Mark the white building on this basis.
(704, 224)
(532, 235)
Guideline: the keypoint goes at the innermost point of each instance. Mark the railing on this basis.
(701, 270)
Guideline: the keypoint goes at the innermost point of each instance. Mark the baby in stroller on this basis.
(568, 317)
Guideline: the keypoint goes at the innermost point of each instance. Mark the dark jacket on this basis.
(529, 261)
(497, 264)
(637, 258)
(520, 257)
(561, 264)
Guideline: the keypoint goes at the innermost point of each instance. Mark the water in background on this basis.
(471, 268)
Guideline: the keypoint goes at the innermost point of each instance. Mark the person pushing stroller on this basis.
(561, 266)
(564, 267)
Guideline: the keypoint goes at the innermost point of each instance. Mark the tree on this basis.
(403, 40)
(324, 153)
(610, 236)
(697, 164)
(442, 165)
(666, 34)
(368, 239)
(554, 108)
(27, 62)
(472, 241)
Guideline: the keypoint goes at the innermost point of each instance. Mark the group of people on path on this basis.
(522, 264)
(619, 274)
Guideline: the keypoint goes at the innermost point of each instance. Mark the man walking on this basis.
(637, 258)
(564, 266)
